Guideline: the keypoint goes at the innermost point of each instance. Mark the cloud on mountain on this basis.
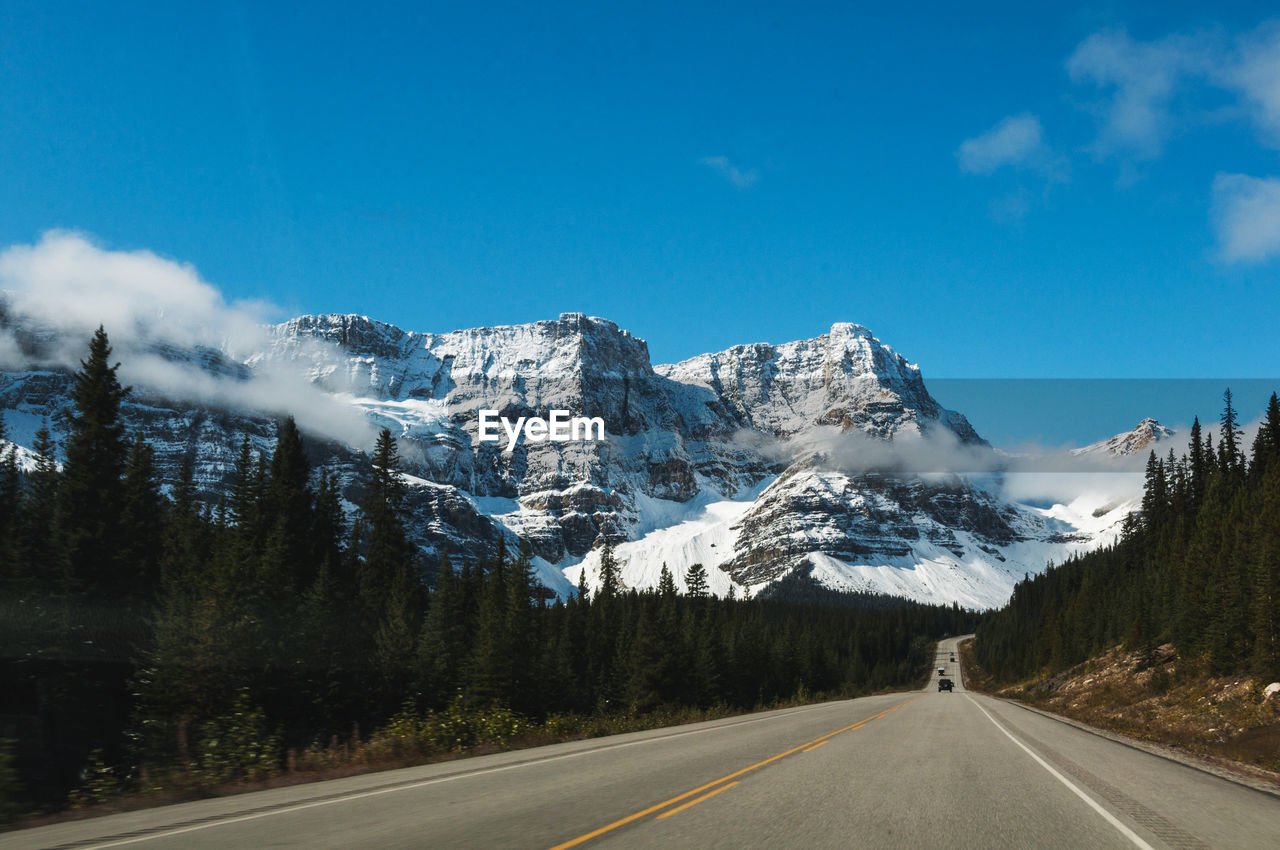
(1028, 473)
(165, 324)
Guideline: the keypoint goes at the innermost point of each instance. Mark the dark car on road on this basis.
(945, 685)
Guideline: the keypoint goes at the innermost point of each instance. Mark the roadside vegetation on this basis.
(154, 646)
(1173, 633)
(1153, 696)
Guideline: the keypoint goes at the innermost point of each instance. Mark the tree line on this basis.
(145, 631)
(1197, 566)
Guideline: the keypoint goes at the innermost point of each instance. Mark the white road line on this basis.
(379, 791)
(1110, 818)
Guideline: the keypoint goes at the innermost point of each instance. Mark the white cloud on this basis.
(1142, 78)
(156, 310)
(1246, 217)
(1038, 473)
(1017, 140)
(1063, 488)
(1255, 73)
(729, 171)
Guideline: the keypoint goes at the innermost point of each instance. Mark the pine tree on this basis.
(289, 563)
(442, 646)
(709, 661)
(610, 572)
(328, 531)
(395, 641)
(328, 618)
(652, 678)
(606, 653)
(184, 554)
(666, 583)
(141, 521)
(1265, 592)
(1155, 496)
(521, 630)
(390, 589)
(490, 668)
(42, 553)
(695, 581)
(12, 570)
(1230, 455)
(245, 495)
(92, 487)
(576, 644)
(1199, 465)
(1266, 445)
(384, 507)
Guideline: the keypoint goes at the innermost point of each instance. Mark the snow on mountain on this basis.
(24, 458)
(1144, 435)
(758, 462)
(932, 542)
(846, 378)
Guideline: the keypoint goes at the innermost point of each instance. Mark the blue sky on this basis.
(997, 190)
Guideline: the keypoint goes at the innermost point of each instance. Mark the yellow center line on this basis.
(696, 801)
(581, 839)
(814, 747)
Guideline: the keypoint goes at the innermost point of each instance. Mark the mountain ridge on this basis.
(758, 461)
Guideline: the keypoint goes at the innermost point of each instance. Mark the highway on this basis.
(920, 769)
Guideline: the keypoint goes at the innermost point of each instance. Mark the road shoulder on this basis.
(1241, 773)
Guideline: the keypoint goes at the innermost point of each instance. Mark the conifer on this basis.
(695, 581)
(610, 572)
(666, 583)
(142, 521)
(1266, 445)
(92, 488)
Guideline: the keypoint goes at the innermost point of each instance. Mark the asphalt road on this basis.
(922, 769)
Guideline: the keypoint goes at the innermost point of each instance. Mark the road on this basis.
(921, 769)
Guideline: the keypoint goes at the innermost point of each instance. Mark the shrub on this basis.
(98, 783)
(237, 745)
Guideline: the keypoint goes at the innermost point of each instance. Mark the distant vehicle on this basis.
(953, 658)
(945, 685)
(942, 671)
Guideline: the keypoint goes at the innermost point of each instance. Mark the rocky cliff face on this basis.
(712, 459)
(846, 378)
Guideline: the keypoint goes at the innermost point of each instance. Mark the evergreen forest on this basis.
(151, 640)
(1198, 566)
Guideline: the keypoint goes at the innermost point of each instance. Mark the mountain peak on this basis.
(580, 319)
(850, 329)
(1144, 435)
(845, 379)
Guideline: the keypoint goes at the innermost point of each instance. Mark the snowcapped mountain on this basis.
(1140, 440)
(846, 378)
(759, 462)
